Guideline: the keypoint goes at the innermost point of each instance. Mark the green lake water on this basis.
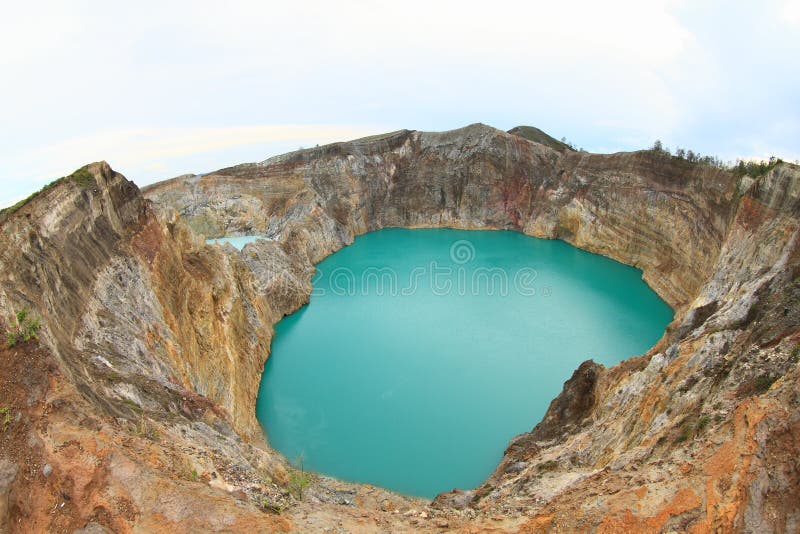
(423, 352)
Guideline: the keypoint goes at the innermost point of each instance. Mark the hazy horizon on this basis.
(159, 90)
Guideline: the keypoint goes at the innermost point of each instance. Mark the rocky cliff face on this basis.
(124, 293)
(475, 177)
(696, 435)
(157, 342)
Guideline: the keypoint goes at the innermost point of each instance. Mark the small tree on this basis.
(658, 146)
(299, 479)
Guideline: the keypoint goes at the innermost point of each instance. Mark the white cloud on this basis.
(147, 149)
(153, 86)
(144, 145)
(790, 12)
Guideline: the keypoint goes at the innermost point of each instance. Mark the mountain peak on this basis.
(531, 133)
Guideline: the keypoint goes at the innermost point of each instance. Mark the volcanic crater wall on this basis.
(663, 215)
(142, 315)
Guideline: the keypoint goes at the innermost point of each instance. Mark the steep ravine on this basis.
(157, 341)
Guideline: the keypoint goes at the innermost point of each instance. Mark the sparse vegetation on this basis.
(298, 480)
(186, 470)
(763, 382)
(538, 136)
(549, 465)
(13, 209)
(689, 430)
(688, 384)
(757, 385)
(739, 168)
(81, 177)
(25, 329)
(265, 475)
(755, 168)
(5, 417)
(271, 506)
(144, 428)
(795, 356)
(702, 423)
(134, 406)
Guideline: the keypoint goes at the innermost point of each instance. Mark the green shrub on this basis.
(81, 177)
(25, 329)
(702, 423)
(268, 505)
(764, 382)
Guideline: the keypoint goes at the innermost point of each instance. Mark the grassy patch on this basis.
(144, 428)
(82, 177)
(186, 470)
(13, 209)
(25, 329)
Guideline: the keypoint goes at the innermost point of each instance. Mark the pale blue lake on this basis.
(423, 352)
(238, 241)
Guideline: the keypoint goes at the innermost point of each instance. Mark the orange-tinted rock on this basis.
(141, 396)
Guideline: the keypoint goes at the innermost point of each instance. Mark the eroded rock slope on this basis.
(155, 342)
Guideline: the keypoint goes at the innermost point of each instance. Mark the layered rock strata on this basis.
(155, 342)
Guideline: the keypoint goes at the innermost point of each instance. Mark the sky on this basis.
(160, 89)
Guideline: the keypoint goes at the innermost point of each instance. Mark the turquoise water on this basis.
(414, 363)
(238, 242)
